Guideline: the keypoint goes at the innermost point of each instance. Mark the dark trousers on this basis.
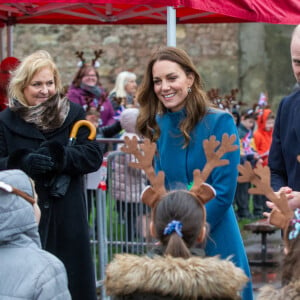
(259, 205)
(241, 200)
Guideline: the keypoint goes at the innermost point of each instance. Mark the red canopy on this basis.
(149, 11)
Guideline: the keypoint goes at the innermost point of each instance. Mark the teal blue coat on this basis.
(178, 164)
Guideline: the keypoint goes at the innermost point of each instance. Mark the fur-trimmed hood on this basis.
(288, 292)
(193, 278)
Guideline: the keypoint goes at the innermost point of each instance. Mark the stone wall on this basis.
(251, 57)
(264, 61)
(213, 48)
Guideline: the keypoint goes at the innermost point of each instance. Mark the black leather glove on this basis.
(36, 164)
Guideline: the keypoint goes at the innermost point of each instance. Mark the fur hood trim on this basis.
(208, 277)
(288, 292)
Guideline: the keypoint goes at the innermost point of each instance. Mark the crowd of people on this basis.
(194, 195)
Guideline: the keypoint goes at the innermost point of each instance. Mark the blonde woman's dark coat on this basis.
(63, 227)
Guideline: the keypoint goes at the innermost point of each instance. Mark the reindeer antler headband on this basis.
(10, 189)
(145, 152)
(225, 102)
(95, 63)
(282, 214)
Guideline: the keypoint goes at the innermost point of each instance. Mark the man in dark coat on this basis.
(285, 148)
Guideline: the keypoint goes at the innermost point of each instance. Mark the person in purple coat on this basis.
(87, 91)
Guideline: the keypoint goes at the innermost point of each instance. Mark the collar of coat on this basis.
(208, 277)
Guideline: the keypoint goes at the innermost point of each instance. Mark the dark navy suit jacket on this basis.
(285, 168)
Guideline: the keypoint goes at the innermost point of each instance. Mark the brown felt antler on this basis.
(259, 176)
(79, 54)
(144, 154)
(213, 159)
(225, 102)
(98, 54)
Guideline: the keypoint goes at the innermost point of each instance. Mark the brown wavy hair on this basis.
(196, 102)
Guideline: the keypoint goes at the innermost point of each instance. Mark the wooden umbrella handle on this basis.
(86, 123)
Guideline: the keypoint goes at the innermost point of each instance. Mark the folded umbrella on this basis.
(61, 182)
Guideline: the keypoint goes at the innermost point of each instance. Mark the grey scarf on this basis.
(47, 116)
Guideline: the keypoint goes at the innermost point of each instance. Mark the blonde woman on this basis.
(123, 93)
(34, 135)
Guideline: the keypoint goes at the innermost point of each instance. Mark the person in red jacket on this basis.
(7, 65)
(263, 139)
(263, 134)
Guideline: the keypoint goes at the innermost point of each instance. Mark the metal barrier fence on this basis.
(118, 221)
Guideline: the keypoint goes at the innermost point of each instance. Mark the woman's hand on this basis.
(292, 196)
(36, 164)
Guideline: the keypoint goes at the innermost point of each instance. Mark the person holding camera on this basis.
(34, 137)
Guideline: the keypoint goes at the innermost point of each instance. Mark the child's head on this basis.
(248, 118)
(178, 217)
(270, 122)
(128, 119)
(179, 222)
(236, 116)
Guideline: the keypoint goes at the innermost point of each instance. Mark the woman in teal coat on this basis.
(175, 113)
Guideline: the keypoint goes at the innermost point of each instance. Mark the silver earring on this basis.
(189, 90)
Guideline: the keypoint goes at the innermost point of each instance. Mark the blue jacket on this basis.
(178, 164)
(27, 271)
(285, 147)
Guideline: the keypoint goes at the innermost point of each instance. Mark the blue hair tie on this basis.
(174, 226)
(296, 224)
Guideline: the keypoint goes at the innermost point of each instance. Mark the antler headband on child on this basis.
(144, 153)
(281, 215)
(95, 63)
(10, 189)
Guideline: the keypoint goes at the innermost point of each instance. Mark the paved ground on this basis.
(263, 274)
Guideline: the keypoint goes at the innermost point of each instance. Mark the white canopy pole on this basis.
(171, 26)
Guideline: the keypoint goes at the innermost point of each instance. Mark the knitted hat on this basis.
(128, 119)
